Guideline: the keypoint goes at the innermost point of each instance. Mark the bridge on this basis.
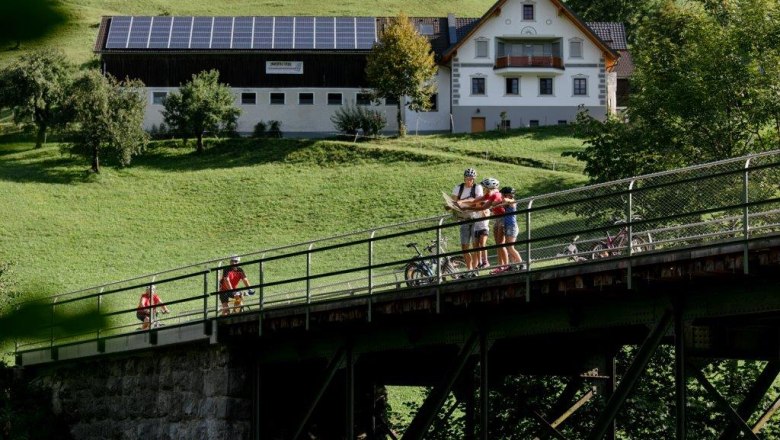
(688, 257)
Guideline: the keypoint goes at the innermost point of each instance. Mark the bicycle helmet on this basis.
(470, 172)
(235, 259)
(508, 190)
(490, 183)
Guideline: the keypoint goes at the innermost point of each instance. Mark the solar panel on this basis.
(345, 32)
(223, 33)
(117, 33)
(242, 33)
(201, 33)
(304, 32)
(323, 33)
(180, 32)
(261, 33)
(365, 29)
(161, 32)
(264, 33)
(283, 33)
(139, 32)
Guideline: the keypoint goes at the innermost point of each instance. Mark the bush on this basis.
(260, 130)
(351, 118)
(372, 122)
(274, 129)
(347, 119)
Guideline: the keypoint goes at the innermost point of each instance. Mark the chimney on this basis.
(452, 29)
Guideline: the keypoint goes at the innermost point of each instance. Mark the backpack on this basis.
(473, 190)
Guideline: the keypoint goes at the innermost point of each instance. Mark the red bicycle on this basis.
(615, 245)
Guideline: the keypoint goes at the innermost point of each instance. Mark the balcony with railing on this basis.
(528, 61)
(520, 56)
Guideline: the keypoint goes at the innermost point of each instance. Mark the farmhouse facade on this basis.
(523, 63)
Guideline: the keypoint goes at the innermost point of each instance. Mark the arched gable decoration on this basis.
(610, 56)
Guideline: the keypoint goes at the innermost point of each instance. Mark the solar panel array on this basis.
(242, 33)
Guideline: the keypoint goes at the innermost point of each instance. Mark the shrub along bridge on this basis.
(688, 257)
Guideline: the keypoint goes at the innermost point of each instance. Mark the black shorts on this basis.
(141, 315)
(225, 296)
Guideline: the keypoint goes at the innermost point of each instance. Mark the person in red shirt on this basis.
(147, 305)
(229, 281)
(492, 200)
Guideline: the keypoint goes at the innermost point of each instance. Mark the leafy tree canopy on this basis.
(706, 87)
(110, 115)
(201, 105)
(35, 87)
(402, 65)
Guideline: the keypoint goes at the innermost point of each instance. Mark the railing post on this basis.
(630, 227)
(745, 217)
(308, 285)
(260, 293)
(205, 301)
(99, 301)
(51, 325)
(528, 251)
(438, 265)
(218, 273)
(370, 274)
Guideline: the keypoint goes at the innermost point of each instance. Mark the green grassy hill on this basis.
(66, 228)
(77, 36)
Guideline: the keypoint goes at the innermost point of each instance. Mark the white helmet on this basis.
(490, 183)
(470, 172)
(235, 258)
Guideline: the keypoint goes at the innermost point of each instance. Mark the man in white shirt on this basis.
(468, 191)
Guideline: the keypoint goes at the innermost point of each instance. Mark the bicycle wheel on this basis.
(455, 268)
(599, 251)
(416, 275)
(638, 244)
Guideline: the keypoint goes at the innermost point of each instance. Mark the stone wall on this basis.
(163, 394)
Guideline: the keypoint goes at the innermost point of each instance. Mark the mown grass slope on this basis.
(66, 228)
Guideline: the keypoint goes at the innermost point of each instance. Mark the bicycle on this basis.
(614, 245)
(421, 270)
(571, 252)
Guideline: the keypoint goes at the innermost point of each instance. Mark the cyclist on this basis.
(229, 282)
(510, 231)
(148, 304)
(467, 192)
(489, 204)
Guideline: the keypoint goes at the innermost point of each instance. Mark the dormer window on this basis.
(528, 12)
(425, 28)
(481, 48)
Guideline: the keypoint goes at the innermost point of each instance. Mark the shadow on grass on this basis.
(534, 133)
(44, 166)
(59, 170)
(174, 155)
(228, 153)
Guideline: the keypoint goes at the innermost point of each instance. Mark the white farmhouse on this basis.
(523, 63)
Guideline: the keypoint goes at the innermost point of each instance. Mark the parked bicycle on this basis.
(421, 270)
(571, 251)
(615, 245)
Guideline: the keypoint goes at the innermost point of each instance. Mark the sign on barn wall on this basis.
(284, 67)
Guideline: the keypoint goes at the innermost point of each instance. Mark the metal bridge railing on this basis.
(733, 199)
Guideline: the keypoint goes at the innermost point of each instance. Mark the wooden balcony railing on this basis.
(529, 61)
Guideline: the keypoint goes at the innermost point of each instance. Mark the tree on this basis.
(35, 88)
(201, 105)
(110, 115)
(628, 12)
(401, 65)
(706, 88)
